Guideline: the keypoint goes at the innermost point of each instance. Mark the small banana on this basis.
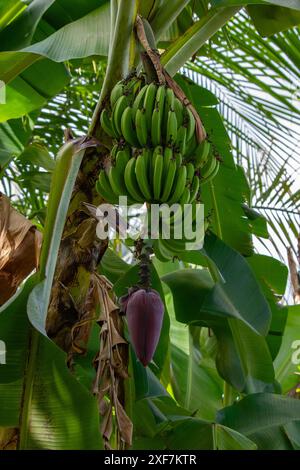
(191, 146)
(116, 93)
(116, 179)
(156, 128)
(106, 124)
(161, 252)
(213, 173)
(122, 158)
(191, 124)
(171, 135)
(201, 154)
(149, 103)
(138, 102)
(158, 164)
(118, 111)
(169, 180)
(190, 171)
(194, 188)
(209, 167)
(178, 158)
(168, 155)
(186, 195)
(141, 127)
(178, 108)
(104, 188)
(181, 140)
(127, 127)
(178, 185)
(131, 181)
(141, 171)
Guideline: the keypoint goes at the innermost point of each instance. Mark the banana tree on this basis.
(75, 376)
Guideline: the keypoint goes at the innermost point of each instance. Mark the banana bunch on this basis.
(167, 249)
(148, 115)
(147, 175)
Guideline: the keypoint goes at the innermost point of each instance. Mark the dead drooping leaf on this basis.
(111, 365)
(20, 244)
(8, 438)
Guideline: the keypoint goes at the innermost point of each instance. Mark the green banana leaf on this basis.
(269, 420)
(55, 411)
(235, 309)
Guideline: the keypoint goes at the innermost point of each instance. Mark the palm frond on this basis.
(257, 82)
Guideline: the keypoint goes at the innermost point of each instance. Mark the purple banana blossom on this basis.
(144, 310)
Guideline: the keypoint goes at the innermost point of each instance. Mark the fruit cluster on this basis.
(156, 157)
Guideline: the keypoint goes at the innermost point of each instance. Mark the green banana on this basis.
(106, 124)
(170, 99)
(213, 173)
(156, 128)
(168, 155)
(201, 154)
(209, 167)
(104, 188)
(122, 158)
(190, 171)
(194, 188)
(181, 140)
(191, 124)
(127, 127)
(118, 111)
(178, 158)
(141, 127)
(191, 146)
(169, 180)
(149, 103)
(116, 93)
(178, 108)
(131, 181)
(185, 198)
(116, 179)
(141, 171)
(179, 185)
(158, 164)
(171, 135)
(138, 102)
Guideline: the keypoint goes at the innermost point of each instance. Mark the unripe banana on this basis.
(178, 108)
(104, 188)
(116, 93)
(141, 171)
(161, 252)
(181, 140)
(141, 127)
(191, 146)
(118, 111)
(190, 171)
(116, 179)
(171, 135)
(185, 198)
(122, 158)
(106, 124)
(149, 103)
(178, 159)
(138, 102)
(127, 127)
(213, 173)
(191, 124)
(194, 188)
(168, 155)
(209, 167)
(201, 154)
(170, 99)
(158, 164)
(131, 181)
(168, 180)
(179, 185)
(156, 128)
